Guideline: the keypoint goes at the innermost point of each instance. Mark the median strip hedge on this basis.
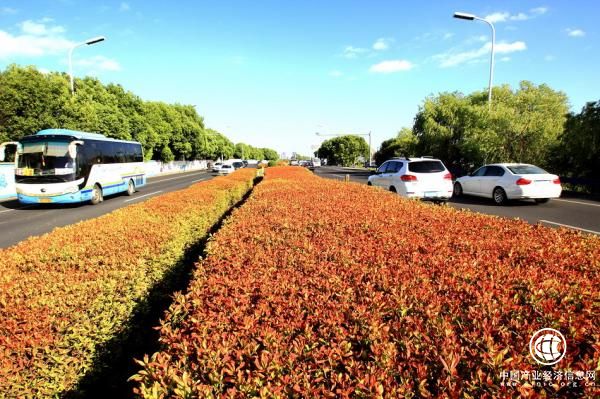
(318, 288)
(67, 293)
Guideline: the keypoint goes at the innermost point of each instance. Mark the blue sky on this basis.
(272, 73)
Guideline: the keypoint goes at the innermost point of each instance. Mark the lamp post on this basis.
(88, 42)
(471, 17)
(353, 134)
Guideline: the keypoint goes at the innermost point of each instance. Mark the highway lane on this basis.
(580, 214)
(18, 221)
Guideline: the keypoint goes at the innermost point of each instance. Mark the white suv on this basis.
(424, 178)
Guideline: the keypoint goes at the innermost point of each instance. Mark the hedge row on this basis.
(66, 294)
(318, 288)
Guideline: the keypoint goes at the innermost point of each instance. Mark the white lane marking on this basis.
(196, 181)
(16, 209)
(576, 202)
(340, 176)
(570, 227)
(142, 196)
(172, 178)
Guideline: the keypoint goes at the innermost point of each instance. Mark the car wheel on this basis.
(369, 184)
(96, 195)
(499, 196)
(541, 200)
(393, 189)
(457, 189)
(130, 188)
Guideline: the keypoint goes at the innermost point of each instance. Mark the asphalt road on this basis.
(567, 212)
(18, 221)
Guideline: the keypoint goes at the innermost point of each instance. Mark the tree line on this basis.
(530, 124)
(31, 101)
(346, 150)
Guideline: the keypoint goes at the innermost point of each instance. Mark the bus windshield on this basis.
(45, 158)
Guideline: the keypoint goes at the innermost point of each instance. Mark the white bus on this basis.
(67, 166)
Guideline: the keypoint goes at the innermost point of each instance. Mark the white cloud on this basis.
(505, 48)
(505, 59)
(31, 45)
(391, 66)
(124, 7)
(448, 35)
(521, 16)
(99, 62)
(40, 29)
(575, 32)
(381, 44)
(336, 74)
(549, 58)
(353, 52)
(497, 17)
(453, 59)
(8, 11)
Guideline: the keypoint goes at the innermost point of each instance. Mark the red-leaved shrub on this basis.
(317, 288)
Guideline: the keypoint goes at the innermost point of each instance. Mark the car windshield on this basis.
(426, 167)
(43, 158)
(526, 170)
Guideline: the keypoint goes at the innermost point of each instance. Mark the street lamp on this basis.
(88, 42)
(471, 17)
(352, 134)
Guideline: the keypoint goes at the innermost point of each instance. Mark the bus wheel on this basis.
(96, 195)
(130, 188)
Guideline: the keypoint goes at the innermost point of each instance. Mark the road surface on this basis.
(579, 214)
(18, 221)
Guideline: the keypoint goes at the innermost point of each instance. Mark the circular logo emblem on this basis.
(547, 346)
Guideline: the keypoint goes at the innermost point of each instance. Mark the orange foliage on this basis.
(322, 289)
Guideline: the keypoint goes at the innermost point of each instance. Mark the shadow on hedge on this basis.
(108, 377)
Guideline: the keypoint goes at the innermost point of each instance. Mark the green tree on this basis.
(522, 126)
(404, 144)
(344, 150)
(243, 151)
(269, 154)
(577, 153)
(31, 101)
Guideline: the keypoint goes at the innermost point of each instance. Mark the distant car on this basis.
(238, 164)
(507, 181)
(226, 169)
(217, 166)
(245, 163)
(316, 163)
(422, 178)
(294, 163)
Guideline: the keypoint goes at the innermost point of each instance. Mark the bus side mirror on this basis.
(73, 147)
